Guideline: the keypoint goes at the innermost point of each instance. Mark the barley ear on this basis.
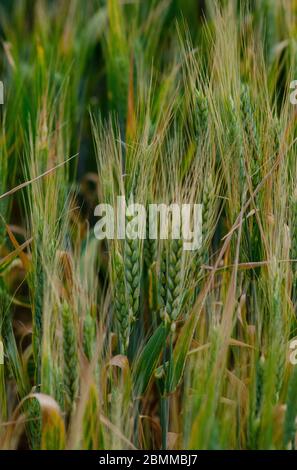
(132, 260)
(251, 131)
(201, 113)
(174, 279)
(89, 335)
(70, 357)
(120, 303)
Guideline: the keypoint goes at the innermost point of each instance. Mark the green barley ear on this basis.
(37, 312)
(89, 335)
(153, 295)
(235, 139)
(254, 166)
(150, 256)
(162, 294)
(208, 214)
(251, 131)
(293, 231)
(171, 282)
(120, 303)
(149, 247)
(150, 252)
(59, 386)
(92, 429)
(201, 113)
(132, 261)
(133, 273)
(71, 369)
(174, 278)
(208, 201)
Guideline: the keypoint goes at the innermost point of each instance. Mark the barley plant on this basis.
(134, 342)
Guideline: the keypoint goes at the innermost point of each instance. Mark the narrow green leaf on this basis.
(181, 350)
(148, 359)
